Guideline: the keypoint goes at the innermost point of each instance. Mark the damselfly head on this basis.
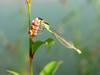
(40, 20)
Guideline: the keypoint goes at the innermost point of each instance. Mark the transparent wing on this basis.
(63, 41)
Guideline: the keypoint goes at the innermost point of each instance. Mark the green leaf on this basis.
(49, 41)
(51, 68)
(13, 72)
(36, 45)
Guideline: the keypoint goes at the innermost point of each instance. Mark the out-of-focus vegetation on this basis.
(77, 20)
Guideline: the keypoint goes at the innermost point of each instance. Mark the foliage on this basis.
(51, 68)
(13, 72)
(37, 44)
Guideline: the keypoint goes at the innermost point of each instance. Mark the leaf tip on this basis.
(12, 72)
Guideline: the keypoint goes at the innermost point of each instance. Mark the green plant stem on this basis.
(30, 43)
(31, 68)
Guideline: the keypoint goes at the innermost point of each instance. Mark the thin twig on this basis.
(30, 41)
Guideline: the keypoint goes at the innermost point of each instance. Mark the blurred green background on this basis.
(76, 20)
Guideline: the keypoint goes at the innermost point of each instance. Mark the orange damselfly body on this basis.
(39, 23)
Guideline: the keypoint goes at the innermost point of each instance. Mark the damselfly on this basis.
(40, 23)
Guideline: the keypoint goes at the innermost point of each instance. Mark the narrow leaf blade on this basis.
(12, 72)
(51, 68)
(36, 45)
